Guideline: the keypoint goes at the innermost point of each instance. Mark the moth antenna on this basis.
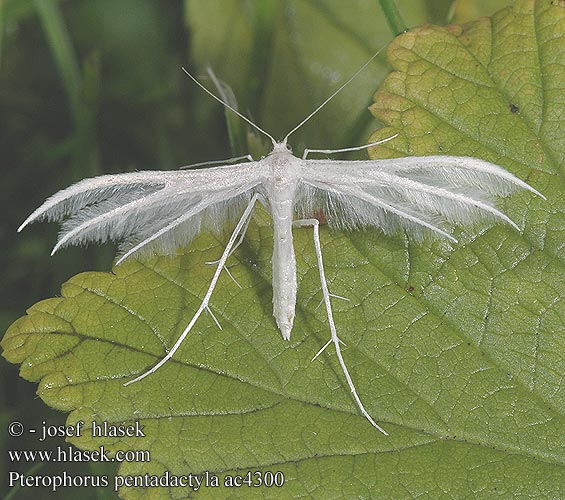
(333, 95)
(231, 108)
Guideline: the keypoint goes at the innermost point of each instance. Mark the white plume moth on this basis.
(160, 211)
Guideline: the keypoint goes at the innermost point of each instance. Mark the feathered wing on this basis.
(149, 211)
(415, 194)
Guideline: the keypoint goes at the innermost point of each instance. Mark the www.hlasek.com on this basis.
(66, 454)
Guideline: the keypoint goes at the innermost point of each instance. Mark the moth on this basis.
(159, 211)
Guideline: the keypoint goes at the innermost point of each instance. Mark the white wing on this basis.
(417, 194)
(149, 211)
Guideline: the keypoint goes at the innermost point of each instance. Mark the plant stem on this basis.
(393, 17)
(58, 37)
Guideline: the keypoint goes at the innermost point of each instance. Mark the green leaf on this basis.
(456, 350)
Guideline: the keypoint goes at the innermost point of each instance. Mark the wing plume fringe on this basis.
(148, 211)
(419, 195)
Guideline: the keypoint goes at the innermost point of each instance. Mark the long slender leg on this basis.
(216, 162)
(345, 150)
(334, 338)
(204, 305)
(235, 247)
(239, 241)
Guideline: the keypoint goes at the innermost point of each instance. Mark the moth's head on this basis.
(281, 147)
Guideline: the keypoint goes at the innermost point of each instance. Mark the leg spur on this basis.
(334, 338)
(204, 305)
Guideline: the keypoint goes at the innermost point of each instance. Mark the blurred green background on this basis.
(90, 87)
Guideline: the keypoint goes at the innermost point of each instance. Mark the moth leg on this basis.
(334, 338)
(229, 274)
(326, 345)
(331, 295)
(204, 305)
(239, 242)
(234, 248)
(345, 150)
(216, 162)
